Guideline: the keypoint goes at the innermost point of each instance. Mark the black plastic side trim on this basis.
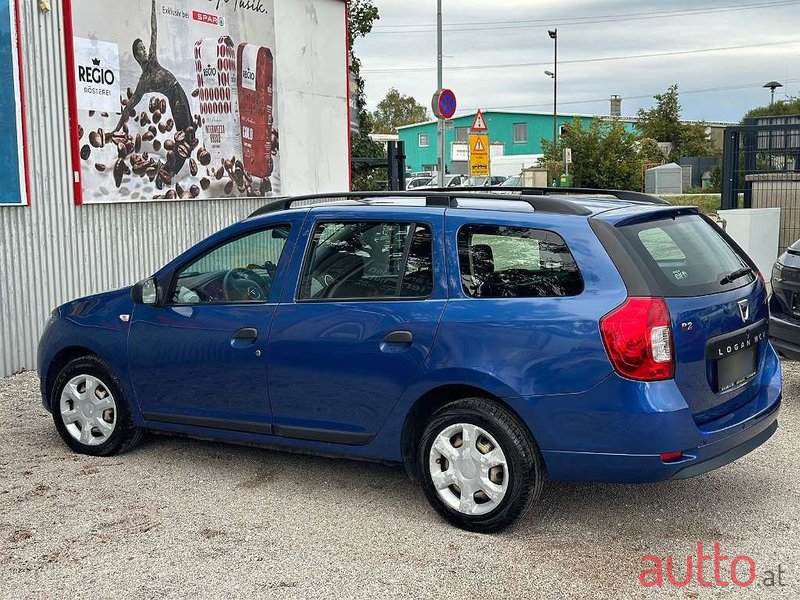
(727, 457)
(227, 424)
(324, 435)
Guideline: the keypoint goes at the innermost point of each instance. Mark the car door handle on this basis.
(248, 334)
(399, 337)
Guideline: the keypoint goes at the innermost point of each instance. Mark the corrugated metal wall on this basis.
(54, 251)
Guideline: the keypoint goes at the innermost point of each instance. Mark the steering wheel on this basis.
(243, 285)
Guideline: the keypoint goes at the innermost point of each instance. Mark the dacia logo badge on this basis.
(744, 310)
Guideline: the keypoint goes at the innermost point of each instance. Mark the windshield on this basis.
(511, 182)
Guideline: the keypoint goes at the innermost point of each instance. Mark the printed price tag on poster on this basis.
(174, 100)
(479, 161)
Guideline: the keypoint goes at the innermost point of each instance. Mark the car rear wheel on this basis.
(480, 468)
(90, 410)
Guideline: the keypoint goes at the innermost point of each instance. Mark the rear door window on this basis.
(516, 262)
(686, 255)
(368, 261)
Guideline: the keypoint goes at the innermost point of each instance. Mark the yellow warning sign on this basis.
(479, 161)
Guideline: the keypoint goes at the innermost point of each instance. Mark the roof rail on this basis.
(625, 195)
(438, 197)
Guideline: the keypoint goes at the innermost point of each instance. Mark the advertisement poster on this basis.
(12, 149)
(175, 99)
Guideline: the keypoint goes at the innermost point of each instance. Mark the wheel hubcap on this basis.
(88, 410)
(469, 469)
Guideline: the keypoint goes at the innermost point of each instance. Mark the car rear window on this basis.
(516, 262)
(686, 255)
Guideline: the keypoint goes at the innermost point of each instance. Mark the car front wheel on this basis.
(90, 410)
(480, 468)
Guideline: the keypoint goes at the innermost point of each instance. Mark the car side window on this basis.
(239, 271)
(368, 261)
(516, 262)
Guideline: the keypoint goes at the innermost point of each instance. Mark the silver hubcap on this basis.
(88, 410)
(469, 469)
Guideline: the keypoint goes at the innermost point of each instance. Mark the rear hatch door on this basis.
(717, 304)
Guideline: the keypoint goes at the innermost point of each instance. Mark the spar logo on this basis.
(208, 18)
(96, 74)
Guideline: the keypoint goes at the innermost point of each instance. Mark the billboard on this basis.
(174, 99)
(13, 192)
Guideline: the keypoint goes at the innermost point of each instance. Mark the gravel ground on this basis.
(181, 518)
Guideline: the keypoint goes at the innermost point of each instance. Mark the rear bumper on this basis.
(626, 447)
(785, 336)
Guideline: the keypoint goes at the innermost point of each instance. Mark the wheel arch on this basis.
(59, 360)
(432, 400)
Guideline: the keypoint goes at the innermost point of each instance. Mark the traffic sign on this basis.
(568, 156)
(444, 104)
(479, 124)
(479, 161)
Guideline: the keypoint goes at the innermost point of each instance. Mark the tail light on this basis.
(638, 339)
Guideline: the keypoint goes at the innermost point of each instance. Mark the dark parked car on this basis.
(487, 341)
(784, 306)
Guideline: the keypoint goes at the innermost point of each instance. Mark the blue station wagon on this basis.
(487, 340)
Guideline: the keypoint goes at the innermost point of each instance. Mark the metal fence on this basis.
(761, 169)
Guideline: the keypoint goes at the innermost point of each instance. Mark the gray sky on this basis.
(509, 32)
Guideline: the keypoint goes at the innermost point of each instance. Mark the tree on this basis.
(663, 124)
(362, 15)
(396, 110)
(790, 106)
(605, 155)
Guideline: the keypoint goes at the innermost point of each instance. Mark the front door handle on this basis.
(248, 334)
(399, 337)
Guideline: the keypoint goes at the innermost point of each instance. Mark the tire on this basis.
(517, 483)
(107, 409)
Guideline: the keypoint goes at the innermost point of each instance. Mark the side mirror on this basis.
(145, 292)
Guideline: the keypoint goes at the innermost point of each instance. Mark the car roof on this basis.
(567, 201)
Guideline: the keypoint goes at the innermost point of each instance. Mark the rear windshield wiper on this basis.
(731, 277)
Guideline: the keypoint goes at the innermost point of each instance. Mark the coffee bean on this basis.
(154, 104)
(180, 137)
(163, 106)
(205, 183)
(184, 151)
(152, 129)
(194, 191)
(162, 128)
(156, 116)
(195, 93)
(170, 195)
(96, 139)
(229, 188)
(148, 136)
(156, 145)
(219, 173)
(204, 157)
(193, 167)
(138, 143)
(144, 120)
(178, 189)
(120, 170)
(104, 115)
(86, 152)
(170, 124)
(100, 167)
(91, 113)
(80, 132)
(169, 144)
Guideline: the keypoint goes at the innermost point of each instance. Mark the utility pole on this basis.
(440, 86)
(553, 33)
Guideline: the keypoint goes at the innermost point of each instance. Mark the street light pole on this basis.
(553, 33)
(440, 86)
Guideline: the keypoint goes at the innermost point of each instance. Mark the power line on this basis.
(566, 21)
(580, 61)
(638, 97)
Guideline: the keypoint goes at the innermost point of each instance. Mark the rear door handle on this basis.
(248, 334)
(399, 337)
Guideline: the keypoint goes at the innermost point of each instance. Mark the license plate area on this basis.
(734, 358)
(736, 369)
